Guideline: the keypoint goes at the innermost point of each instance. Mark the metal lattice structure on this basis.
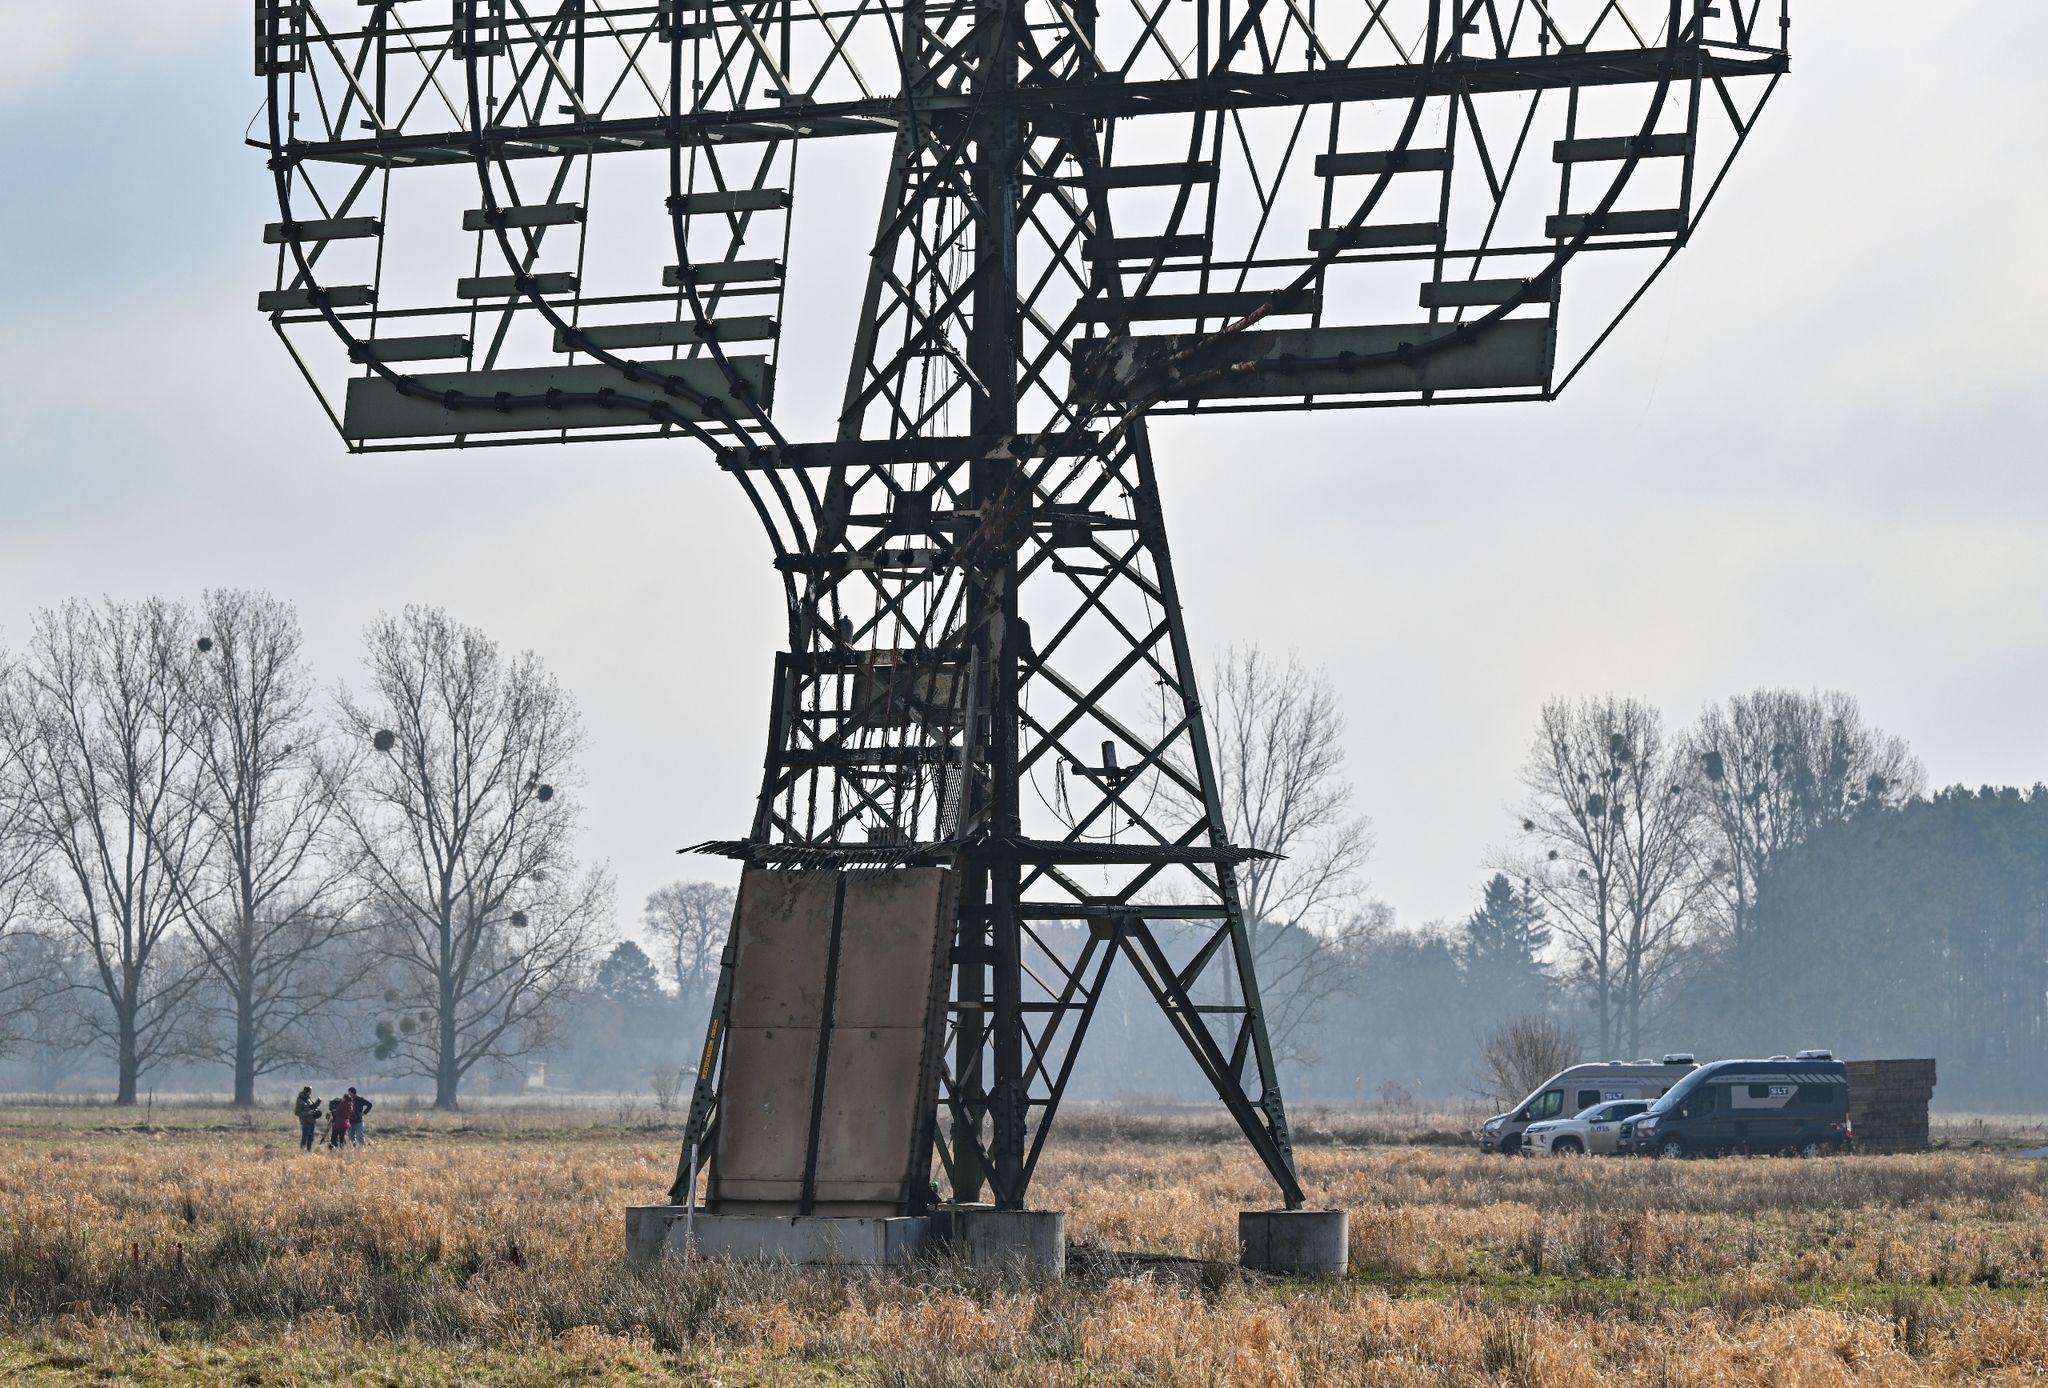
(1093, 213)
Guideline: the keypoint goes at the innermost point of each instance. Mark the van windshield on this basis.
(1677, 1093)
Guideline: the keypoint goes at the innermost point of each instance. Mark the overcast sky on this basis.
(1814, 458)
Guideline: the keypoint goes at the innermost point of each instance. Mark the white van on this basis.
(1581, 1087)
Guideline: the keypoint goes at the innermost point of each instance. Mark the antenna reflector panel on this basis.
(1470, 293)
(540, 214)
(684, 333)
(338, 296)
(1662, 222)
(389, 349)
(376, 409)
(1386, 161)
(329, 229)
(1371, 238)
(1514, 354)
(725, 272)
(1621, 147)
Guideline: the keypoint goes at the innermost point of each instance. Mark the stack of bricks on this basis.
(1888, 1103)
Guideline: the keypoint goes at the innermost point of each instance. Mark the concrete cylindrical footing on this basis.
(1032, 1243)
(1295, 1243)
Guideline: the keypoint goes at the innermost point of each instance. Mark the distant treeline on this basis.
(215, 872)
(1771, 878)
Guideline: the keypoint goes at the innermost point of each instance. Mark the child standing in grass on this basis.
(338, 1115)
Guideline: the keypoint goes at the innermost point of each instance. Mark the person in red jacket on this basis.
(339, 1114)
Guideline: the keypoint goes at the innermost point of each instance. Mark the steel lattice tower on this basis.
(1092, 215)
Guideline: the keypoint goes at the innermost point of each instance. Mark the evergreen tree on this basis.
(628, 977)
(1500, 949)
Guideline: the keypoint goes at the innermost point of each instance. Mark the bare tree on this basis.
(109, 788)
(1662, 889)
(24, 974)
(269, 908)
(1277, 736)
(689, 921)
(1520, 1054)
(465, 824)
(1773, 766)
(1607, 847)
(20, 849)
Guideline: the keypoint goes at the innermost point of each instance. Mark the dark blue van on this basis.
(1784, 1104)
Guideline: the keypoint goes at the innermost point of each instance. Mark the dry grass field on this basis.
(191, 1246)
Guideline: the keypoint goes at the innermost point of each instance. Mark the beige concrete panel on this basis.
(872, 1080)
(782, 934)
(764, 1116)
(887, 1018)
(888, 943)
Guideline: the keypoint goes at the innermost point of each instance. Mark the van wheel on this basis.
(1673, 1147)
(1568, 1147)
(1813, 1147)
(1511, 1146)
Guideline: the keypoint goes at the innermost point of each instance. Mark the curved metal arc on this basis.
(1700, 216)
(798, 530)
(1535, 288)
(282, 163)
(523, 282)
(630, 369)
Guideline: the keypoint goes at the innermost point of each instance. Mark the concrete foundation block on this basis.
(1031, 1243)
(1295, 1243)
(658, 1231)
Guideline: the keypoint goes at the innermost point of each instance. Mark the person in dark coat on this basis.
(338, 1116)
(308, 1110)
(358, 1110)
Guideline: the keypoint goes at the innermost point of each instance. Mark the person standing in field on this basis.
(308, 1110)
(338, 1116)
(358, 1110)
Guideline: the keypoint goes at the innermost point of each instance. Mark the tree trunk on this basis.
(1603, 1000)
(128, 1066)
(245, 999)
(447, 1076)
(245, 1051)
